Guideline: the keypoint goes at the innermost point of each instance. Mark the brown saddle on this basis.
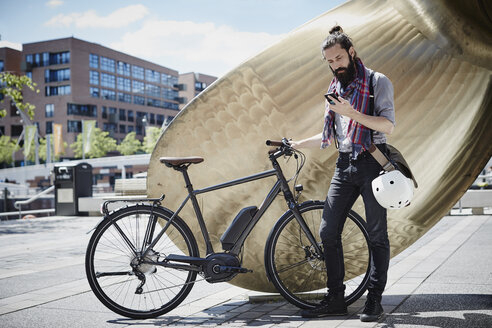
(178, 161)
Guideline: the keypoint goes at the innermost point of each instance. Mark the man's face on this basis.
(341, 64)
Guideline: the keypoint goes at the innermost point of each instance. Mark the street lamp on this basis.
(144, 123)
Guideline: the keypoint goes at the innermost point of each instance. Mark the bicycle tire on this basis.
(108, 263)
(300, 278)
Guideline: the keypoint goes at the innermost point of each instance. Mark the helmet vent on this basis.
(392, 182)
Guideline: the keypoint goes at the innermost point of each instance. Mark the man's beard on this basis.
(346, 74)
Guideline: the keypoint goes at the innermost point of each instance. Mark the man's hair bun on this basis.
(336, 29)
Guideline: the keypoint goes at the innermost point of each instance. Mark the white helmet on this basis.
(392, 190)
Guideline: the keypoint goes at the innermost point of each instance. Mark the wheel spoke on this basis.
(298, 274)
(116, 268)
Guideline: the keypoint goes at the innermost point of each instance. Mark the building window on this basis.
(139, 130)
(152, 118)
(57, 91)
(104, 112)
(130, 116)
(108, 94)
(93, 61)
(169, 80)
(46, 59)
(37, 60)
(122, 115)
(108, 80)
(138, 87)
(109, 127)
(124, 84)
(169, 105)
(152, 90)
(138, 72)
(140, 116)
(49, 110)
(94, 92)
(122, 128)
(2, 130)
(82, 110)
(138, 100)
(16, 130)
(160, 119)
(125, 97)
(94, 77)
(200, 86)
(169, 119)
(56, 75)
(60, 58)
(29, 75)
(49, 127)
(29, 59)
(131, 128)
(154, 102)
(152, 76)
(123, 68)
(2, 66)
(169, 94)
(74, 126)
(107, 64)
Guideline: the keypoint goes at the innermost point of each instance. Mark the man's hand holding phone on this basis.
(331, 98)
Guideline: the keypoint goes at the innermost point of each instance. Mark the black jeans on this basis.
(351, 179)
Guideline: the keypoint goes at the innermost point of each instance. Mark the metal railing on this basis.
(20, 213)
(20, 203)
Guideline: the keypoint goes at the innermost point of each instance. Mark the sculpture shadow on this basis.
(442, 310)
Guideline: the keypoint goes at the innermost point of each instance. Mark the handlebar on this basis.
(274, 143)
(284, 147)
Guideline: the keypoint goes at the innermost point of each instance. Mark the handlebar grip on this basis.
(274, 143)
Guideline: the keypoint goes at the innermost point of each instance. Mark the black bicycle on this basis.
(142, 259)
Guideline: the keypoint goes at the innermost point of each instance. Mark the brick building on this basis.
(191, 84)
(80, 80)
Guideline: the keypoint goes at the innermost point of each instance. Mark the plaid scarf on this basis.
(358, 90)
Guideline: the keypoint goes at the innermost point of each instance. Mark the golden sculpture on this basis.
(438, 54)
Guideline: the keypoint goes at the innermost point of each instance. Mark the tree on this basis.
(11, 85)
(101, 144)
(152, 135)
(7, 147)
(130, 145)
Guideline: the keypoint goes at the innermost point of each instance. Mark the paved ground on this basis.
(443, 280)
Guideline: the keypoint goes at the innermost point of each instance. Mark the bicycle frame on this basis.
(280, 185)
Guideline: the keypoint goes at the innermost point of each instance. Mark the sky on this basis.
(205, 36)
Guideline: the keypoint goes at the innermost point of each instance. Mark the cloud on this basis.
(54, 3)
(90, 19)
(203, 46)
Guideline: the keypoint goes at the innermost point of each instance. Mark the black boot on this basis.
(333, 304)
(373, 311)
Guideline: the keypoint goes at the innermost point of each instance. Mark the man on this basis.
(348, 122)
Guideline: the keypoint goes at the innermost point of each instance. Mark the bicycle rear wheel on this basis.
(115, 274)
(298, 274)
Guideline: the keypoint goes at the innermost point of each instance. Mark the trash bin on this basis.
(71, 182)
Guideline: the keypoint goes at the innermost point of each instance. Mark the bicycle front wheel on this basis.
(125, 282)
(295, 270)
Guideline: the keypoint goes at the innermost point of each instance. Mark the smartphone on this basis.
(330, 100)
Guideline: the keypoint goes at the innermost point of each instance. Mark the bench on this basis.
(476, 200)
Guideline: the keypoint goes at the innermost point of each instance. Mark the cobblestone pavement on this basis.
(443, 280)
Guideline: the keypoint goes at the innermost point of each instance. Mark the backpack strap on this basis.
(371, 101)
